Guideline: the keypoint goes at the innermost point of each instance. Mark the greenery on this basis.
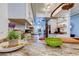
(13, 35)
(22, 36)
(53, 41)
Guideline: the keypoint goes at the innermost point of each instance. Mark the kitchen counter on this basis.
(41, 49)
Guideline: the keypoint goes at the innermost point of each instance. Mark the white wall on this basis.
(3, 20)
(20, 27)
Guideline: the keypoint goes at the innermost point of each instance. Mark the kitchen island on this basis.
(41, 49)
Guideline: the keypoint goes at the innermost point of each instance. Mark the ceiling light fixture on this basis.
(67, 6)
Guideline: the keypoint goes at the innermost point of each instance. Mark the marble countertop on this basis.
(41, 49)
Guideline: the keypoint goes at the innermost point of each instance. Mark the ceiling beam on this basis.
(56, 9)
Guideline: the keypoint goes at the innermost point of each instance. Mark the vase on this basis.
(13, 43)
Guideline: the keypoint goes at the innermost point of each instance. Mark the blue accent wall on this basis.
(75, 25)
(39, 23)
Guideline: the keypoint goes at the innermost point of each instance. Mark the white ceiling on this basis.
(75, 9)
(44, 9)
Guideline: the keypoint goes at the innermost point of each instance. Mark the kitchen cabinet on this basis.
(20, 11)
(17, 10)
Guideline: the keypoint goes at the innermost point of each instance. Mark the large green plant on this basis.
(13, 35)
(53, 41)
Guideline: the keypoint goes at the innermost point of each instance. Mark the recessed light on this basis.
(48, 6)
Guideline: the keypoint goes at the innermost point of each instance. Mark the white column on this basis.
(67, 15)
(3, 20)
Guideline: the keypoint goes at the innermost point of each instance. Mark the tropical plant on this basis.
(53, 41)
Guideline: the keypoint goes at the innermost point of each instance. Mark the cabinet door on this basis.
(17, 10)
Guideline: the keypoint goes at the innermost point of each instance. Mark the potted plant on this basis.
(13, 37)
(22, 36)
